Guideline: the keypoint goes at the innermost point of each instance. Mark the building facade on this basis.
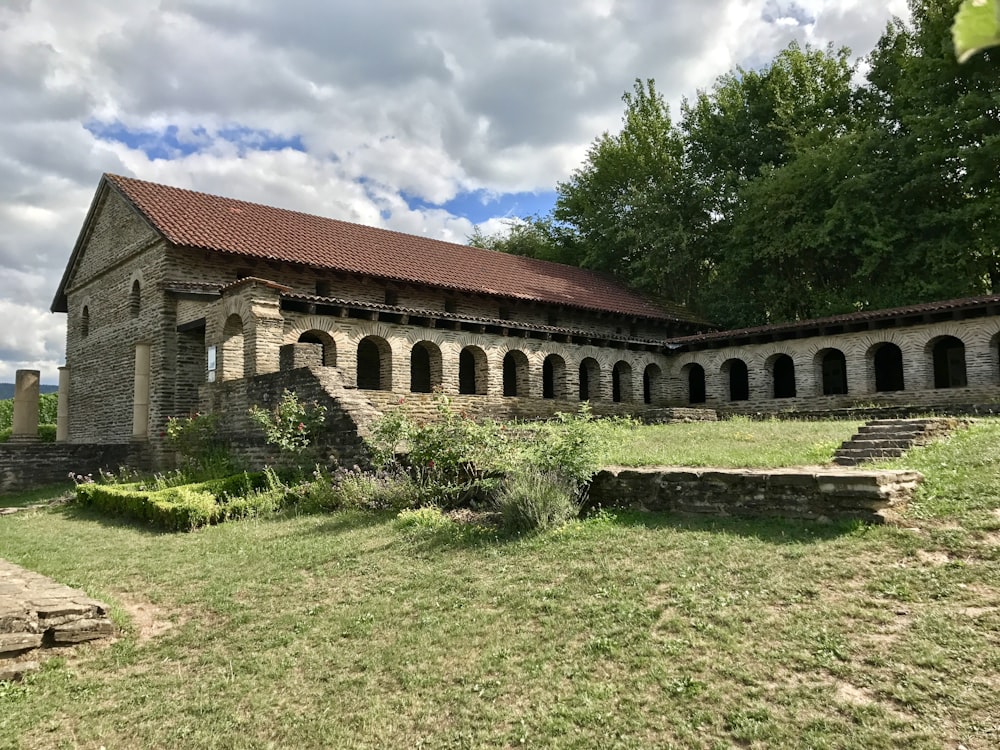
(175, 298)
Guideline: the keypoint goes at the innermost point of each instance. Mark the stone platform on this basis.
(35, 611)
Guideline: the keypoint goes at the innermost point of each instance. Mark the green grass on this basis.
(31, 497)
(623, 631)
(738, 442)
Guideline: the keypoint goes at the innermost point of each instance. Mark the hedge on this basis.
(187, 506)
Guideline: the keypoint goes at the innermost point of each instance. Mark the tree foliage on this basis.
(798, 189)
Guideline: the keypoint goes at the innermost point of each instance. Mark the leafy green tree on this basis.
(632, 206)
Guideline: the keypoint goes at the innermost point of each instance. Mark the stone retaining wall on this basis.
(34, 464)
(821, 494)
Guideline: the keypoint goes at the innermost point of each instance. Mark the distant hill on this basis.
(7, 390)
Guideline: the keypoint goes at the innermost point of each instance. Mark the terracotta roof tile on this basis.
(785, 330)
(198, 220)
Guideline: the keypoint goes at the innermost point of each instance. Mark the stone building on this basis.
(179, 301)
(173, 297)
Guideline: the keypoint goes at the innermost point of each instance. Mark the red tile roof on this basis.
(198, 220)
(779, 331)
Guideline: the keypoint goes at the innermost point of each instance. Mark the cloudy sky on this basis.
(424, 116)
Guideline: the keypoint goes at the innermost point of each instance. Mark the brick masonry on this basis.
(33, 464)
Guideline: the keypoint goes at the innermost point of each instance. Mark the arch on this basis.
(590, 379)
(947, 359)
(695, 374)
(473, 371)
(425, 367)
(621, 382)
(374, 370)
(324, 339)
(782, 371)
(886, 362)
(651, 383)
(738, 378)
(554, 377)
(85, 321)
(831, 371)
(515, 373)
(135, 299)
(233, 356)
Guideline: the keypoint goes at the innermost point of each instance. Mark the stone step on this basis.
(916, 421)
(866, 442)
(868, 453)
(903, 432)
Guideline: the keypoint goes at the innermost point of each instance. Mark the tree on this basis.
(632, 208)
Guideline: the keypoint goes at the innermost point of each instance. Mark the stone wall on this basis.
(821, 494)
(348, 413)
(980, 337)
(26, 465)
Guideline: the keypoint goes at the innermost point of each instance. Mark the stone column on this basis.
(140, 398)
(62, 414)
(26, 392)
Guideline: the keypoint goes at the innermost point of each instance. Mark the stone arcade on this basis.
(179, 301)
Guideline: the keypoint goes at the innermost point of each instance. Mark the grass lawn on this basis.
(738, 442)
(624, 630)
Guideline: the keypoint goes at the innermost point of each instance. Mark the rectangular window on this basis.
(504, 313)
(211, 364)
(322, 288)
(391, 297)
(450, 305)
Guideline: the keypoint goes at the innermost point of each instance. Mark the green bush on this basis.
(48, 407)
(454, 461)
(531, 500)
(46, 433)
(198, 440)
(189, 506)
(292, 425)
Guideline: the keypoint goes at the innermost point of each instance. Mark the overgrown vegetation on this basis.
(621, 630)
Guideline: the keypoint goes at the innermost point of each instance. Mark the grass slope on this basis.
(622, 631)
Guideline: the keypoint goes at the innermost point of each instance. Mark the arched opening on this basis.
(135, 299)
(621, 382)
(831, 367)
(887, 363)
(651, 383)
(554, 377)
(696, 383)
(85, 322)
(590, 379)
(782, 376)
(995, 349)
(325, 340)
(425, 367)
(735, 372)
(374, 364)
(473, 371)
(515, 374)
(233, 359)
(948, 361)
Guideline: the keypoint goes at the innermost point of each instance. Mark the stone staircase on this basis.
(890, 438)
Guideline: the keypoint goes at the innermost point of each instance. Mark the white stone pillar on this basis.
(140, 398)
(26, 392)
(62, 413)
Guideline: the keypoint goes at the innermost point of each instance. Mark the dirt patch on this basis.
(149, 620)
(848, 693)
(933, 558)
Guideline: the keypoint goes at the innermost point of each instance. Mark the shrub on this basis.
(46, 433)
(387, 489)
(291, 425)
(531, 500)
(189, 506)
(570, 446)
(197, 439)
(453, 461)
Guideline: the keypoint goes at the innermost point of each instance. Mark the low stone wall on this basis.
(821, 494)
(34, 464)
(864, 413)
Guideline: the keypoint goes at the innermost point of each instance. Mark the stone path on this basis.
(35, 611)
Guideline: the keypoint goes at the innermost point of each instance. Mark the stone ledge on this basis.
(817, 493)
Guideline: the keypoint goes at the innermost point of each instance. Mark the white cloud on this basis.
(388, 98)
